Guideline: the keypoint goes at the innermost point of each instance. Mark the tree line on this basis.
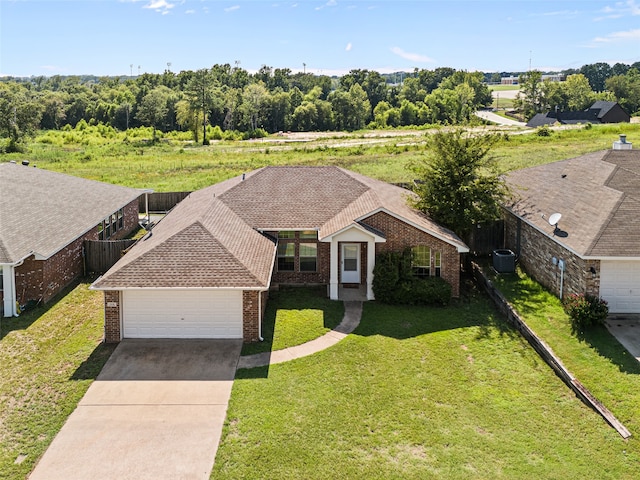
(232, 99)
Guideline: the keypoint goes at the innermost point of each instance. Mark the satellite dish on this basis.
(554, 219)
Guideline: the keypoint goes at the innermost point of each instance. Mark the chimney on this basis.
(622, 144)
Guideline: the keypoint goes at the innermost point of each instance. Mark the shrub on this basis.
(394, 282)
(543, 131)
(585, 310)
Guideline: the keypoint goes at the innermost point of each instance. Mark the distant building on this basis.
(600, 112)
(513, 80)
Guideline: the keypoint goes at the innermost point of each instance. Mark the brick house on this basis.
(205, 270)
(595, 247)
(44, 219)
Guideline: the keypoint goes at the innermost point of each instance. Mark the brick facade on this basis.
(401, 235)
(252, 314)
(319, 277)
(536, 251)
(41, 280)
(112, 303)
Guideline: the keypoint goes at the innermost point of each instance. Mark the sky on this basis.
(329, 37)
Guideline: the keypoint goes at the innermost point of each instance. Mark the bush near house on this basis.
(585, 310)
(394, 282)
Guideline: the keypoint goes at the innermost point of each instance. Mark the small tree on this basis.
(153, 109)
(458, 183)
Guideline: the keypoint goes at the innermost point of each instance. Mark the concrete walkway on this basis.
(626, 329)
(155, 412)
(351, 319)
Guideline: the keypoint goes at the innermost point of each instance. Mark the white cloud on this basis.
(232, 9)
(348, 47)
(330, 3)
(620, 10)
(160, 6)
(414, 57)
(190, 12)
(623, 36)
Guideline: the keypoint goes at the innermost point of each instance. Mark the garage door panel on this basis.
(182, 314)
(620, 285)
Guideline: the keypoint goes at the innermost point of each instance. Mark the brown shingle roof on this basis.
(43, 211)
(201, 243)
(230, 216)
(597, 194)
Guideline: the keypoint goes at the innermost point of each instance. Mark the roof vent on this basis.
(622, 144)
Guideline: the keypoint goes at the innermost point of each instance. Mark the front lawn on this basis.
(48, 358)
(296, 315)
(415, 393)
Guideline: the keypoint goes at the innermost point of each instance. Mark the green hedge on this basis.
(394, 282)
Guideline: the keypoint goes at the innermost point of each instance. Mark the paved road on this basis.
(155, 412)
(492, 117)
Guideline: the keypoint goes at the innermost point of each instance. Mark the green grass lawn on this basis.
(415, 393)
(48, 359)
(594, 356)
(294, 316)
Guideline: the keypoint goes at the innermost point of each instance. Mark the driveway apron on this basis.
(155, 412)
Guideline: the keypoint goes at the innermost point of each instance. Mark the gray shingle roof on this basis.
(598, 196)
(213, 238)
(43, 211)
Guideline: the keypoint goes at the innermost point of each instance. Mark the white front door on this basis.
(350, 263)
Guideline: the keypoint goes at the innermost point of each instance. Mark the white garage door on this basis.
(182, 314)
(620, 285)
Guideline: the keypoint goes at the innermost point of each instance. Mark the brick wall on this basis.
(401, 235)
(319, 277)
(41, 280)
(130, 221)
(251, 315)
(536, 252)
(112, 305)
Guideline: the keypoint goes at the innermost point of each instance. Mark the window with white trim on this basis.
(437, 264)
(421, 260)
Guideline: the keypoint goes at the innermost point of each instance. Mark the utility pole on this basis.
(304, 68)
(131, 70)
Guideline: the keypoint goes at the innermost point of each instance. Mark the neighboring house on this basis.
(44, 219)
(595, 247)
(206, 268)
(600, 112)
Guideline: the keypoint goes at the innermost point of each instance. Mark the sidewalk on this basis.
(351, 319)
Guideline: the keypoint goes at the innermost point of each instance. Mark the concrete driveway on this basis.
(155, 412)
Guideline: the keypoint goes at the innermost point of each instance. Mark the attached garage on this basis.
(182, 313)
(620, 285)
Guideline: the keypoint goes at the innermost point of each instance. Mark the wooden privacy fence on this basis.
(487, 237)
(161, 201)
(101, 255)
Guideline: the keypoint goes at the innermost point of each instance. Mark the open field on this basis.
(176, 165)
